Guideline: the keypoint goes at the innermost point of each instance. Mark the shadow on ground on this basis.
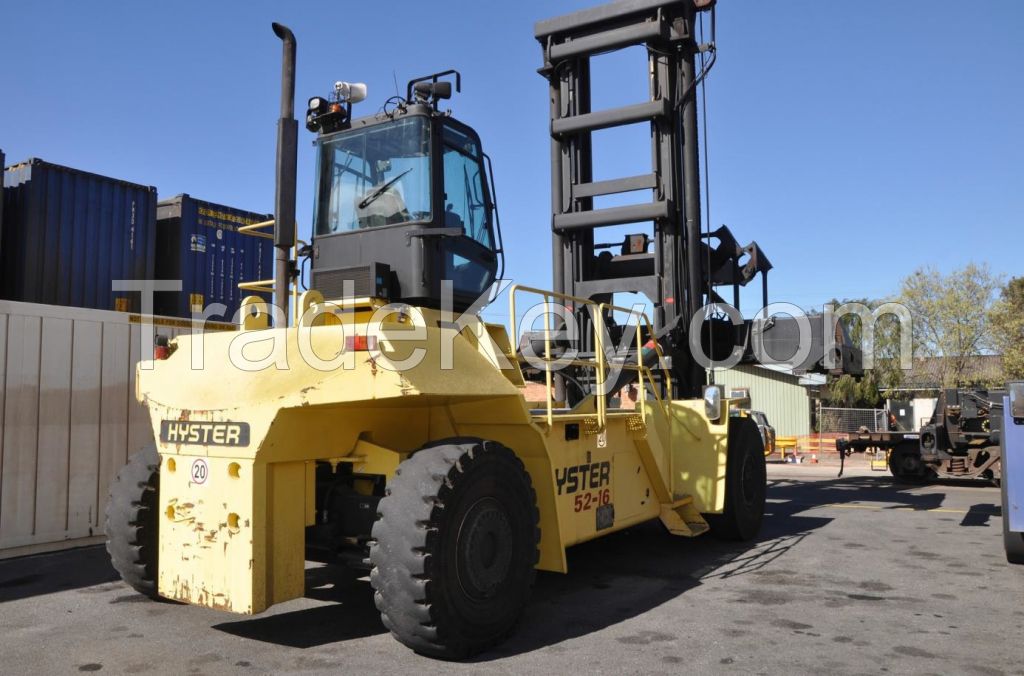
(980, 514)
(350, 615)
(611, 579)
(29, 576)
(799, 496)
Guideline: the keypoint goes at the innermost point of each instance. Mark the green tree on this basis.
(883, 344)
(1007, 321)
(951, 316)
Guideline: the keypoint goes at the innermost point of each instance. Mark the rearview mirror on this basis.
(713, 402)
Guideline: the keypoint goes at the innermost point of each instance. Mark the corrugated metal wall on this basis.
(779, 395)
(68, 419)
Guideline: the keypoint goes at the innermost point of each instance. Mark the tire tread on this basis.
(406, 526)
(130, 521)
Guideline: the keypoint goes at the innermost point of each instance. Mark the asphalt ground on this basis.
(850, 575)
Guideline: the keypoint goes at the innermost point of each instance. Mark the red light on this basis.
(161, 347)
(670, 300)
(335, 107)
(358, 343)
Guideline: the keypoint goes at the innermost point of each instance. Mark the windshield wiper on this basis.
(380, 191)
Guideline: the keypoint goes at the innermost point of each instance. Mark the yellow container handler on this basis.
(385, 427)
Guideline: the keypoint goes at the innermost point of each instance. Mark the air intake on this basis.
(367, 281)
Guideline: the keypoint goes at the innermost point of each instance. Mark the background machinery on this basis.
(961, 439)
(386, 427)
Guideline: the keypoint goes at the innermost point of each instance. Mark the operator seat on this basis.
(385, 209)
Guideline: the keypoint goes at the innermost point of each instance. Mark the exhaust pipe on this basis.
(284, 178)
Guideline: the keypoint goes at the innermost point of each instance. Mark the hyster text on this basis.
(583, 477)
(204, 433)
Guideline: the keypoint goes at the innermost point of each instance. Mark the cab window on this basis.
(465, 203)
(373, 177)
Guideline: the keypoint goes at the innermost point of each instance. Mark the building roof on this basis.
(770, 370)
(926, 374)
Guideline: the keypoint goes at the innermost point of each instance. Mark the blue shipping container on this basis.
(198, 242)
(68, 234)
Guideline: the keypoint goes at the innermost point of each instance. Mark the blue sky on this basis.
(853, 145)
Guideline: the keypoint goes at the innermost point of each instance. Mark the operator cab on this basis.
(403, 200)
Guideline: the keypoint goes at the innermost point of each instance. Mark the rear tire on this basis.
(746, 484)
(906, 466)
(131, 523)
(454, 548)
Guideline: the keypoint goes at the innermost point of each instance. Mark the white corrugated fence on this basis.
(68, 419)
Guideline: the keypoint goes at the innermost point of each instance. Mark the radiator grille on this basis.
(367, 280)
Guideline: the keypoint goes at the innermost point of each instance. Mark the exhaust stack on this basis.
(284, 179)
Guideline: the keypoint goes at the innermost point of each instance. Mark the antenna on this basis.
(394, 76)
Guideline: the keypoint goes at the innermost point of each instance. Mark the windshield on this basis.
(373, 177)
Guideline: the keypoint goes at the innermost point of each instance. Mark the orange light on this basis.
(335, 107)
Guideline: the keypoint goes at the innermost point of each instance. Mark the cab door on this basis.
(470, 261)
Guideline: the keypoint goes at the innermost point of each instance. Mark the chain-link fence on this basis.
(849, 420)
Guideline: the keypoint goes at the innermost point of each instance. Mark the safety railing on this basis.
(600, 361)
(267, 285)
(256, 229)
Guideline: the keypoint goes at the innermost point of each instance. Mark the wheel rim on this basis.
(908, 464)
(484, 550)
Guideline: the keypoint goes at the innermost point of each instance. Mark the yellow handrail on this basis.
(267, 286)
(642, 371)
(260, 286)
(599, 364)
(253, 229)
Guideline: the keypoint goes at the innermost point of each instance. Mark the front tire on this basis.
(746, 484)
(454, 548)
(132, 521)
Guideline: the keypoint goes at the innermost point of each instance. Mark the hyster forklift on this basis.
(384, 427)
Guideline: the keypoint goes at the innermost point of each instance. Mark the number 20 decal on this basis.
(200, 471)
